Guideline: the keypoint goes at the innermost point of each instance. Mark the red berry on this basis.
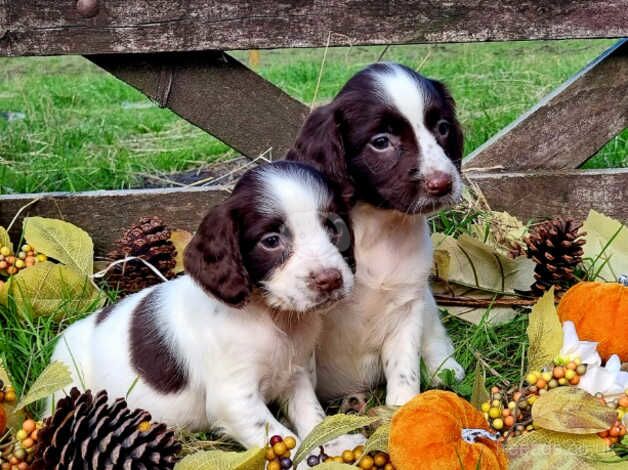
(275, 439)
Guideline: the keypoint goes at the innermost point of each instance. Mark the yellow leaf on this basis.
(335, 466)
(62, 241)
(51, 380)
(330, 428)
(180, 239)
(252, 459)
(479, 394)
(606, 248)
(545, 333)
(15, 418)
(589, 447)
(5, 240)
(48, 288)
(544, 457)
(474, 264)
(572, 410)
(499, 230)
(378, 441)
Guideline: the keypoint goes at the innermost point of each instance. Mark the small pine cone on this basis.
(149, 240)
(88, 434)
(556, 248)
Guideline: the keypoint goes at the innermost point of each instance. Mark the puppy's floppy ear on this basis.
(455, 141)
(320, 145)
(213, 258)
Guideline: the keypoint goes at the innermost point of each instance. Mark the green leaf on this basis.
(572, 410)
(544, 457)
(62, 241)
(606, 248)
(54, 377)
(5, 240)
(46, 288)
(479, 394)
(544, 332)
(330, 428)
(252, 459)
(378, 440)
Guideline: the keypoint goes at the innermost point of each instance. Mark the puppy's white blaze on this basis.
(406, 95)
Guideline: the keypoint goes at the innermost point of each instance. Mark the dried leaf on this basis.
(252, 459)
(544, 457)
(572, 410)
(62, 241)
(180, 239)
(545, 333)
(474, 264)
(5, 240)
(15, 418)
(46, 288)
(54, 377)
(335, 466)
(479, 394)
(378, 441)
(330, 428)
(606, 248)
(589, 447)
(499, 230)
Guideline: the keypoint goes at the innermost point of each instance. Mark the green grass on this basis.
(79, 133)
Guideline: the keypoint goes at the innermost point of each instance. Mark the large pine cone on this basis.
(556, 248)
(87, 434)
(149, 240)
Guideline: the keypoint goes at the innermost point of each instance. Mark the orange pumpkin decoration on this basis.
(599, 311)
(427, 433)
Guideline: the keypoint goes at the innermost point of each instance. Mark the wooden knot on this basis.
(87, 8)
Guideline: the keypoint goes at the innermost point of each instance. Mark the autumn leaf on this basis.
(544, 457)
(252, 459)
(45, 288)
(545, 333)
(572, 410)
(378, 441)
(499, 230)
(606, 249)
(5, 240)
(180, 239)
(479, 394)
(61, 241)
(335, 466)
(54, 377)
(330, 428)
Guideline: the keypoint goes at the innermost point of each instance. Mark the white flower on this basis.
(608, 379)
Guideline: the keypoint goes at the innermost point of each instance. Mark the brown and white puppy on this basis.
(390, 143)
(213, 347)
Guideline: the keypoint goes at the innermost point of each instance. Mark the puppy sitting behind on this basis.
(213, 347)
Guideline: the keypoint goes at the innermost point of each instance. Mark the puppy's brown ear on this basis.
(213, 257)
(320, 145)
(455, 140)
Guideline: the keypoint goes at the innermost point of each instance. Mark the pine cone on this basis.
(87, 434)
(149, 240)
(556, 248)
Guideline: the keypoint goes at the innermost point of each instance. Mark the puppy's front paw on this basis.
(346, 442)
(449, 364)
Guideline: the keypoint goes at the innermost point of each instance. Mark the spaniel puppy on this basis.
(391, 145)
(213, 347)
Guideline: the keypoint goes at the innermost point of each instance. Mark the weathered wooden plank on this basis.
(36, 27)
(541, 194)
(567, 126)
(104, 214)
(217, 93)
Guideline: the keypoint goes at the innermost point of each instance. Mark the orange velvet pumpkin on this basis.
(599, 311)
(426, 434)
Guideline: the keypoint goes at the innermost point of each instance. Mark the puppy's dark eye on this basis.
(443, 127)
(380, 142)
(332, 230)
(271, 241)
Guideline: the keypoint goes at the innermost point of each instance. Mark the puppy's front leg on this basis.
(400, 356)
(243, 415)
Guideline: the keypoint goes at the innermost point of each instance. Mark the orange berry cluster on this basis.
(618, 429)
(20, 455)
(509, 411)
(11, 263)
(278, 452)
(562, 372)
(372, 460)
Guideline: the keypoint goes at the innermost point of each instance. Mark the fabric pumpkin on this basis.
(427, 433)
(600, 312)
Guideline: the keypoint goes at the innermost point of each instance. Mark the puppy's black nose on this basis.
(327, 280)
(438, 183)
